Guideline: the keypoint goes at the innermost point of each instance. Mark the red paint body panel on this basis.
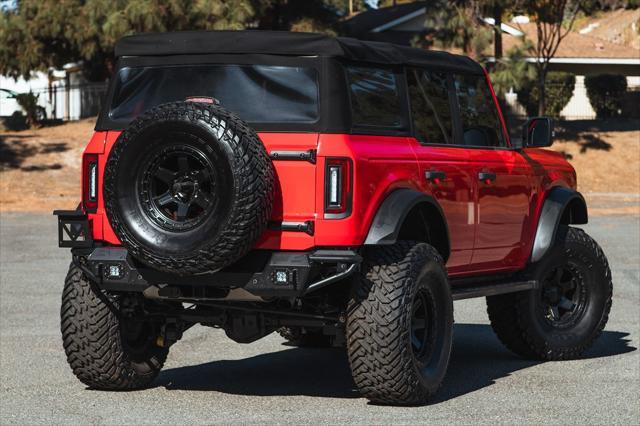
(456, 195)
(491, 224)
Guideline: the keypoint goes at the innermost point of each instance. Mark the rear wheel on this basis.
(106, 351)
(399, 325)
(562, 318)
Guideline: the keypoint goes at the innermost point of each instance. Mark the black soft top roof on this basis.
(289, 44)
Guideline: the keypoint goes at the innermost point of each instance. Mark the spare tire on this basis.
(188, 188)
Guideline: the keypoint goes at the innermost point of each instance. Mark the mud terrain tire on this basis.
(94, 340)
(561, 319)
(396, 356)
(188, 188)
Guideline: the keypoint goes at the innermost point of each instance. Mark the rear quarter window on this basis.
(375, 98)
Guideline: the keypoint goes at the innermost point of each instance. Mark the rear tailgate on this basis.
(294, 196)
(295, 191)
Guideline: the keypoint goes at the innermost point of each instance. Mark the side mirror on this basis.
(537, 132)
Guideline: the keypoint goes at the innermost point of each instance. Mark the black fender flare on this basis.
(562, 205)
(393, 211)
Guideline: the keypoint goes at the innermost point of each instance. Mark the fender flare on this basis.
(562, 205)
(393, 211)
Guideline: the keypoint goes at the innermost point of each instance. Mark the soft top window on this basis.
(481, 124)
(257, 93)
(430, 109)
(375, 98)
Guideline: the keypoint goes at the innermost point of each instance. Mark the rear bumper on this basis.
(262, 273)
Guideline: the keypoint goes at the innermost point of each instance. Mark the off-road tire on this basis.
(241, 207)
(516, 318)
(92, 339)
(379, 320)
(295, 336)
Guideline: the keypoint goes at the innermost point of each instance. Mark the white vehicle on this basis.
(8, 102)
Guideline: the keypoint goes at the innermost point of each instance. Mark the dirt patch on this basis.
(40, 169)
(605, 154)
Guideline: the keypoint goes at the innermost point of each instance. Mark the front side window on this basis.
(430, 108)
(256, 93)
(480, 123)
(375, 97)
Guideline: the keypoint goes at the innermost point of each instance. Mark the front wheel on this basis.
(104, 350)
(564, 316)
(399, 324)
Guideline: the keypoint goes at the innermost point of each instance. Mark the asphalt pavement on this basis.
(209, 379)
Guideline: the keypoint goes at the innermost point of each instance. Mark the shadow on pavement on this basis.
(477, 361)
(14, 152)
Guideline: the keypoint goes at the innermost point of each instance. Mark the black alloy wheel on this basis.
(178, 187)
(423, 326)
(563, 296)
(562, 318)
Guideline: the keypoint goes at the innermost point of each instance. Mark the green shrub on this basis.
(558, 92)
(29, 103)
(606, 93)
(16, 121)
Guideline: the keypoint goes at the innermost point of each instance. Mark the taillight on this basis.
(337, 188)
(90, 182)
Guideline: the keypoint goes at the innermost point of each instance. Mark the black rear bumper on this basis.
(261, 273)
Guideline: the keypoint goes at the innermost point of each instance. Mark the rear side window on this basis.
(480, 123)
(430, 107)
(257, 93)
(375, 98)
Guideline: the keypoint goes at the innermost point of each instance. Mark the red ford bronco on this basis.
(338, 191)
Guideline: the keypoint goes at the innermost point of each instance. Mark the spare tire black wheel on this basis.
(188, 188)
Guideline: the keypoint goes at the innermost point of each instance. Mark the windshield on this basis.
(256, 93)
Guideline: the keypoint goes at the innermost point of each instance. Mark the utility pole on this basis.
(350, 7)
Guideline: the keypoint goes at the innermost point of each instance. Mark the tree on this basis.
(497, 9)
(458, 25)
(512, 71)
(39, 34)
(461, 25)
(299, 15)
(554, 20)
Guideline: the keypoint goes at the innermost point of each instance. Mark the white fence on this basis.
(66, 99)
(578, 108)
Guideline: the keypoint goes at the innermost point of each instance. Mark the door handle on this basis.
(435, 176)
(487, 177)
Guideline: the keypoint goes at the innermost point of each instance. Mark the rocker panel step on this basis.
(484, 290)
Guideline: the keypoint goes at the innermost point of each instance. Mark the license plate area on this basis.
(73, 229)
